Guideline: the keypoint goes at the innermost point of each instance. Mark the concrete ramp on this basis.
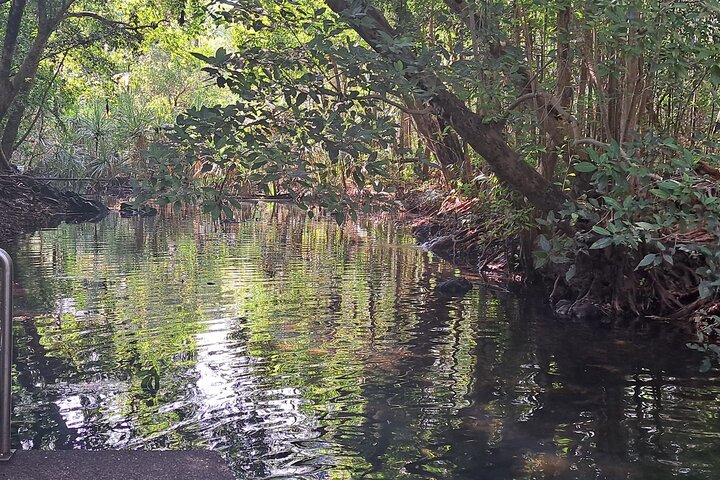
(115, 465)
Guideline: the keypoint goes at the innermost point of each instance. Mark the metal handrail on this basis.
(6, 355)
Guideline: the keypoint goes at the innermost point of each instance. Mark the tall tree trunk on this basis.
(441, 141)
(563, 91)
(10, 132)
(17, 77)
(555, 123)
(588, 49)
(10, 41)
(7, 89)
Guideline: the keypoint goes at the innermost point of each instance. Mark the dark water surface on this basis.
(298, 349)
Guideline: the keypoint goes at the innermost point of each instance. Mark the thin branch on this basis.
(96, 38)
(523, 98)
(597, 143)
(109, 21)
(42, 105)
(404, 108)
(242, 7)
(551, 103)
(65, 49)
(591, 141)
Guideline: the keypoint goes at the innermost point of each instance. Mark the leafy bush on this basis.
(651, 213)
(707, 327)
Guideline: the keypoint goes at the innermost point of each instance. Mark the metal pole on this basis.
(6, 356)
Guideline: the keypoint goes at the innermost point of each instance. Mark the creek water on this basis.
(300, 349)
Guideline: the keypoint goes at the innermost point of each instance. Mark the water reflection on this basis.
(299, 349)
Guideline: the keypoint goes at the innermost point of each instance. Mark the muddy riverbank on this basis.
(27, 204)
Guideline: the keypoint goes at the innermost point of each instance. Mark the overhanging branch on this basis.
(485, 138)
(110, 21)
(397, 105)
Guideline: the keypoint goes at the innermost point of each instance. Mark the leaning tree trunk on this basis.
(551, 111)
(564, 92)
(485, 138)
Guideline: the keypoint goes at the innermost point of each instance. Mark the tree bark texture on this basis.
(485, 138)
(17, 83)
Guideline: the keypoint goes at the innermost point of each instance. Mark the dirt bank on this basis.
(461, 231)
(27, 204)
(457, 229)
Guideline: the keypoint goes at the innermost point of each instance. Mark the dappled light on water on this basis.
(300, 349)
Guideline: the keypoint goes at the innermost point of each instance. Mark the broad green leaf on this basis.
(602, 243)
(544, 243)
(570, 274)
(601, 230)
(706, 365)
(669, 184)
(646, 226)
(585, 167)
(660, 193)
(647, 260)
(613, 203)
(705, 290)
(715, 75)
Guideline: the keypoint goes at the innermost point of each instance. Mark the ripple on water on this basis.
(300, 349)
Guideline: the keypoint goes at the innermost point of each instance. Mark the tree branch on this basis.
(42, 105)
(485, 138)
(109, 21)
(12, 30)
(552, 103)
(424, 111)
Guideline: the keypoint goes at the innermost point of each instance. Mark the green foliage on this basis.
(98, 53)
(648, 204)
(291, 99)
(707, 327)
(96, 142)
(304, 122)
(502, 212)
(92, 128)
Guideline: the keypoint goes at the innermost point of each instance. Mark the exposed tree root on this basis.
(606, 281)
